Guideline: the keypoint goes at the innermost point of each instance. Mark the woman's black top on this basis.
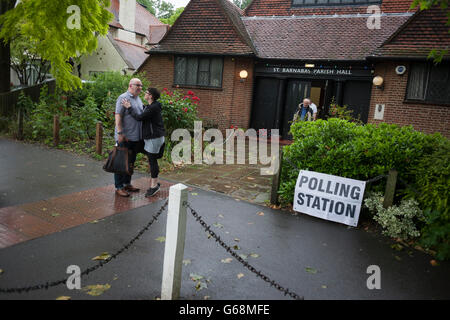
(152, 121)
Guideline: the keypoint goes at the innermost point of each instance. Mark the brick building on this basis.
(291, 49)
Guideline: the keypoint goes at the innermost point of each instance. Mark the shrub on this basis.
(350, 150)
(178, 110)
(431, 189)
(397, 221)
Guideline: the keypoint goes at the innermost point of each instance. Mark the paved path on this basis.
(314, 258)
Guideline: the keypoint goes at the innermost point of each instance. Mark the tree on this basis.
(5, 55)
(171, 20)
(58, 30)
(159, 8)
(242, 3)
(27, 63)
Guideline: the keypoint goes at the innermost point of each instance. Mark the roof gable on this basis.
(425, 31)
(210, 27)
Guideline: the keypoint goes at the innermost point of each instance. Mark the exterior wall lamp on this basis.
(243, 75)
(378, 82)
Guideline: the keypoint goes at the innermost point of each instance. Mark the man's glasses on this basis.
(137, 85)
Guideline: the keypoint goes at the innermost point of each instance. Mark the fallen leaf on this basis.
(243, 256)
(221, 216)
(240, 275)
(237, 239)
(96, 289)
(260, 213)
(254, 255)
(324, 286)
(227, 260)
(200, 285)
(63, 298)
(44, 209)
(63, 166)
(161, 239)
(236, 247)
(398, 258)
(397, 247)
(434, 263)
(55, 214)
(218, 225)
(103, 256)
(80, 165)
(195, 277)
(250, 178)
(186, 262)
(206, 297)
(310, 270)
(194, 193)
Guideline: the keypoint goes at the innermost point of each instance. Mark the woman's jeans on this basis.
(122, 180)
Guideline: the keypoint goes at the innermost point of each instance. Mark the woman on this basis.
(152, 132)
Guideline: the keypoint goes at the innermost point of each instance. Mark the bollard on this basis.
(390, 189)
(99, 138)
(174, 248)
(276, 181)
(20, 124)
(55, 130)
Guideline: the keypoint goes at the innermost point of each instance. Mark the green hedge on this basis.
(361, 152)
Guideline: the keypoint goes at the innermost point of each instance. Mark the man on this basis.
(313, 109)
(128, 133)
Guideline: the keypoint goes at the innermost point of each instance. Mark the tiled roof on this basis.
(133, 54)
(427, 30)
(285, 8)
(207, 26)
(336, 37)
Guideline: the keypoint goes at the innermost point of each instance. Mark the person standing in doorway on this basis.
(307, 102)
(128, 133)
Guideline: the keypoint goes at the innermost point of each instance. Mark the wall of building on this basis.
(428, 118)
(230, 105)
(105, 58)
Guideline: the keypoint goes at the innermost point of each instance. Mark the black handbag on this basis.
(161, 151)
(118, 161)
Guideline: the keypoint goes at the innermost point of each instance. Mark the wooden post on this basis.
(390, 189)
(99, 138)
(55, 130)
(20, 124)
(276, 181)
(174, 249)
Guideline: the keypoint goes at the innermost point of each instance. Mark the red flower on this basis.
(185, 109)
(190, 93)
(165, 89)
(195, 98)
(170, 102)
(231, 127)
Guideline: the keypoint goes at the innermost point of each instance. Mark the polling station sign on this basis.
(329, 197)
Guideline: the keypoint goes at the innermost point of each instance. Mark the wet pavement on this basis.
(314, 258)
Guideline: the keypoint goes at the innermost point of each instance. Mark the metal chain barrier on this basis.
(207, 228)
(93, 268)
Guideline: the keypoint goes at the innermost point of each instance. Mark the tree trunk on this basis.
(5, 53)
